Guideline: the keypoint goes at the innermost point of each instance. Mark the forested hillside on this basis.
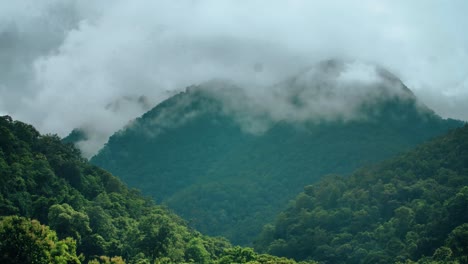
(199, 158)
(55, 207)
(411, 208)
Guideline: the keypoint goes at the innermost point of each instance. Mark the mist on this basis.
(86, 64)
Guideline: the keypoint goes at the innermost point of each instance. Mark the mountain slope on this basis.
(228, 162)
(92, 212)
(411, 206)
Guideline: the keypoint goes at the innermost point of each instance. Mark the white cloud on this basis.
(62, 62)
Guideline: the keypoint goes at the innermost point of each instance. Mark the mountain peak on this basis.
(329, 91)
(339, 78)
(227, 159)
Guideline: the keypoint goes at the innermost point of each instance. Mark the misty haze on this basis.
(207, 131)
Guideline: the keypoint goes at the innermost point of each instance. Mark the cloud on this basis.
(332, 90)
(62, 63)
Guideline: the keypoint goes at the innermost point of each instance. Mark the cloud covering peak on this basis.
(62, 63)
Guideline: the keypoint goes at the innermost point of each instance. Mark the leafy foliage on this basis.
(26, 241)
(89, 211)
(412, 208)
(193, 155)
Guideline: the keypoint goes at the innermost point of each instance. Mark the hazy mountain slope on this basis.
(90, 210)
(76, 136)
(411, 206)
(228, 163)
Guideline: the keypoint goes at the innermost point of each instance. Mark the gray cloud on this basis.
(62, 63)
(331, 90)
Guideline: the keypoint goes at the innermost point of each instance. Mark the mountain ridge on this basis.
(220, 169)
(199, 142)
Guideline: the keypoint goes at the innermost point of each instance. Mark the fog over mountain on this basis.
(95, 65)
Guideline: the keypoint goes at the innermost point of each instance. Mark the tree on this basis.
(161, 237)
(68, 222)
(27, 241)
(197, 252)
(458, 241)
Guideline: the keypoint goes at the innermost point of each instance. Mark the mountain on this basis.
(413, 207)
(55, 207)
(229, 159)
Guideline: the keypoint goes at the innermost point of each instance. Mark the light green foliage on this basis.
(247, 255)
(27, 241)
(68, 222)
(107, 260)
(160, 238)
(196, 251)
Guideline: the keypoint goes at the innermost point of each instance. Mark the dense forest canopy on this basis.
(410, 208)
(216, 132)
(58, 208)
(55, 207)
(202, 159)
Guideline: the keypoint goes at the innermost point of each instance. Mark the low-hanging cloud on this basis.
(330, 91)
(63, 63)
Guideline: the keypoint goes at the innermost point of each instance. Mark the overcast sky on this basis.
(67, 64)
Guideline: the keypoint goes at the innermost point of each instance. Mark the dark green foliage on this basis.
(411, 208)
(89, 209)
(193, 155)
(75, 136)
